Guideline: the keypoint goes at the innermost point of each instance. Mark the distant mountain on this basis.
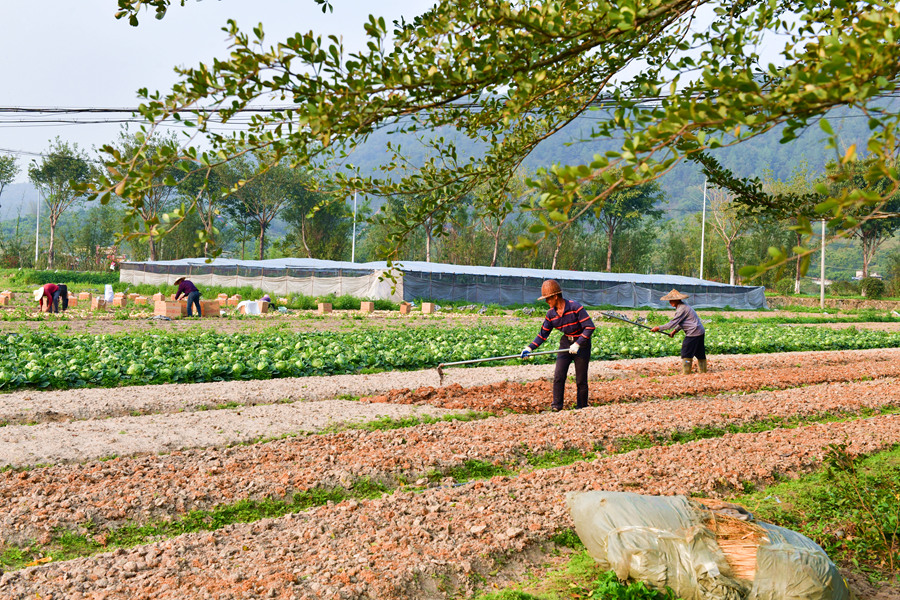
(683, 185)
(16, 196)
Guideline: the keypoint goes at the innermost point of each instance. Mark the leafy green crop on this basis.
(41, 359)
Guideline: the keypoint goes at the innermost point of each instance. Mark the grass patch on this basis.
(558, 458)
(389, 423)
(580, 579)
(850, 507)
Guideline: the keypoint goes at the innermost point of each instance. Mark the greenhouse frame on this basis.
(440, 282)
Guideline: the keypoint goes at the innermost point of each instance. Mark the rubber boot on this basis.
(686, 366)
(701, 364)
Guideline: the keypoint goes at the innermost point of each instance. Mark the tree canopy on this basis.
(667, 79)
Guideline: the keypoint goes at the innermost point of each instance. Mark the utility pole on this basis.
(822, 271)
(353, 242)
(703, 228)
(37, 233)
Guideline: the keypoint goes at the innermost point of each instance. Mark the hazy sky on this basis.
(74, 53)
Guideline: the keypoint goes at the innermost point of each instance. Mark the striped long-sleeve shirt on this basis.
(573, 322)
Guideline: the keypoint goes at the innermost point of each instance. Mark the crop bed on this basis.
(430, 536)
(41, 360)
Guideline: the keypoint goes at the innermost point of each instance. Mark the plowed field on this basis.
(432, 533)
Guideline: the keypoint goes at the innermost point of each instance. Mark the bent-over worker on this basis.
(187, 289)
(49, 293)
(576, 326)
(686, 320)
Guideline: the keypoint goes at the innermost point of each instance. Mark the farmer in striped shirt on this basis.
(576, 326)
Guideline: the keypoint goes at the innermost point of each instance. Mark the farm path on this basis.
(50, 443)
(91, 424)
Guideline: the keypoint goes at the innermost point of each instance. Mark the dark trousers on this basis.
(54, 302)
(563, 360)
(193, 299)
(64, 296)
(694, 346)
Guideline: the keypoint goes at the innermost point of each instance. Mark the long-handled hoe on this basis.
(621, 317)
(440, 367)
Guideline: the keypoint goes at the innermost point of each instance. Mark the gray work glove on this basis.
(574, 348)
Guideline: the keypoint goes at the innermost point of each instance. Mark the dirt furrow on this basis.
(138, 489)
(535, 396)
(394, 547)
(35, 406)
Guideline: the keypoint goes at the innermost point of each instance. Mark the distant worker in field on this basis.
(686, 320)
(187, 289)
(576, 326)
(48, 295)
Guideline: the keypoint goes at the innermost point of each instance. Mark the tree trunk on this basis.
(262, 241)
(609, 242)
(152, 250)
(556, 251)
(496, 248)
(50, 254)
(730, 250)
(303, 238)
(428, 240)
(797, 273)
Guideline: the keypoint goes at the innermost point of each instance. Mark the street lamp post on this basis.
(703, 228)
(822, 271)
(353, 242)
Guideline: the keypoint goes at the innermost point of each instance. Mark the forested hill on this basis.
(16, 197)
(684, 184)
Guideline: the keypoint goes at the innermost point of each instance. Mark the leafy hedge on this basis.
(35, 277)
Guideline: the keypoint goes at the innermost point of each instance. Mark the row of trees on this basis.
(243, 197)
(238, 202)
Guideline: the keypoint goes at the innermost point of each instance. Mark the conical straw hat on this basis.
(674, 295)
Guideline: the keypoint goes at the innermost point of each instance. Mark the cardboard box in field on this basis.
(405, 308)
(158, 297)
(98, 304)
(263, 306)
(133, 297)
(120, 302)
(85, 296)
(234, 300)
(140, 301)
(209, 308)
(324, 308)
(73, 301)
(167, 309)
(428, 308)
(366, 307)
(223, 299)
(4, 300)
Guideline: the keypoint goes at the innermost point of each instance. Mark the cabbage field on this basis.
(44, 360)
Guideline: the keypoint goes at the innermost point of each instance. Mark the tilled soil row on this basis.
(728, 362)
(534, 396)
(78, 441)
(110, 493)
(35, 406)
(394, 546)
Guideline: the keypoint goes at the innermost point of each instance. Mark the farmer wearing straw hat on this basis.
(576, 326)
(187, 289)
(686, 320)
(48, 293)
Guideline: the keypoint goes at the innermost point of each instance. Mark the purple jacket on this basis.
(185, 288)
